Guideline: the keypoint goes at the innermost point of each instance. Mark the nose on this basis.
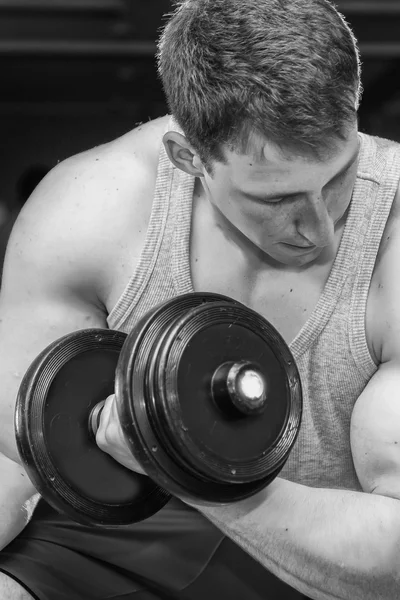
(314, 223)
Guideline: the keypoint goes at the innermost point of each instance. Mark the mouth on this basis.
(299, 248)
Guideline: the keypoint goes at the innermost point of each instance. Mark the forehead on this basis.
(266, 162)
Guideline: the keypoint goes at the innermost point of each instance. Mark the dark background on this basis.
(76, 73)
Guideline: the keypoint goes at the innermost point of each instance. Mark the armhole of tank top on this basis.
(153, 240)
(389, 182)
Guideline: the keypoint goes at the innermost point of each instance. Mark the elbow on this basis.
(382, 571)
(381, 580)
(387, 558)
(389, 571)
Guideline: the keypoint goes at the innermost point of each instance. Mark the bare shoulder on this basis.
(385, 290)
(64, 251)
(91, 205)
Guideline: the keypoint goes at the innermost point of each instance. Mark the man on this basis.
(260, 187)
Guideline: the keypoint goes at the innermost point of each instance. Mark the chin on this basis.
(294, 261)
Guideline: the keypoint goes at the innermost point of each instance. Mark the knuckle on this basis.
(100, 438)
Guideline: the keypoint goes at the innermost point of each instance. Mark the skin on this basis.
(273, 201)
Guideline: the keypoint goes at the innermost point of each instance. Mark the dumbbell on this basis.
(208, 397)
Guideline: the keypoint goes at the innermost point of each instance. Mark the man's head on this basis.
(266, 93)
(288, 70)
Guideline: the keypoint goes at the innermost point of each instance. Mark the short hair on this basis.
(289, 70)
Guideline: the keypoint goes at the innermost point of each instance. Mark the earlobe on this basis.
(181, 154)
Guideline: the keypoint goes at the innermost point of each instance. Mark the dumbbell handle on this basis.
(238, 388)
(94, 417)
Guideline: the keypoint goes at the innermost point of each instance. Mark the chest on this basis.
(286, 298)
(287, 303)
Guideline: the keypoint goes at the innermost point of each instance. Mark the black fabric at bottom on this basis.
(175, 555)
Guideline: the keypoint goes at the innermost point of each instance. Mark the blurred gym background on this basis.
(76, 73)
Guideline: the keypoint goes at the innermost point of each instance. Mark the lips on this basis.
(299, 247)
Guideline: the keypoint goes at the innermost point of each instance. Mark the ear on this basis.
(182, 155)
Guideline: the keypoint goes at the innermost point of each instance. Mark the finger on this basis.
(106, 426)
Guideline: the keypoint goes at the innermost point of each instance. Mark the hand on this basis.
(110, 437)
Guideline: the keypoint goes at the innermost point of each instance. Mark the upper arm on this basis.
(375, 423)
(375, 432)
(49, 284)
(65, 250)
(60, 264)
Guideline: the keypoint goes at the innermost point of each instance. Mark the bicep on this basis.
(46, 293)
(375, 433)
(375, 423)
(25, 330)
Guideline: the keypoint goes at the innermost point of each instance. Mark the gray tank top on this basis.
(331, 350)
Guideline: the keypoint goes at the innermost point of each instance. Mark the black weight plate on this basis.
(62, 459)
(140, 418)
(205, 438)
(133, 365)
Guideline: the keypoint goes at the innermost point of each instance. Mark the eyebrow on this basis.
(276, 195)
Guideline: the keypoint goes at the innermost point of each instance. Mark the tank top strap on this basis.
(163, 270)
(370, 205)
(380, 173)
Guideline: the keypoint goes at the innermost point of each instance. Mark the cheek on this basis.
(261, 222)
(256, 221)
(339, 197)
(273, 216)
(338, 200)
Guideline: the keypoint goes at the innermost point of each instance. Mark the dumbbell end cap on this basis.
(250, 390)
(240, 387)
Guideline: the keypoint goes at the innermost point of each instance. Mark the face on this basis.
(287, 207)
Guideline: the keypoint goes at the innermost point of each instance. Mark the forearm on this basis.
(18, 498)
(328, 544)
(13, 519)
